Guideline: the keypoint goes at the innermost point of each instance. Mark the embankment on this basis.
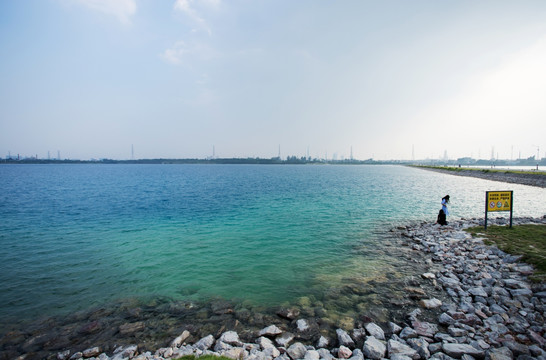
(531, 178)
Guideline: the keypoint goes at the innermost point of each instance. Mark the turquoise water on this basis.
(77, 236)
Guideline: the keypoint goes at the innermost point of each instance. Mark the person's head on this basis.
(446, 198)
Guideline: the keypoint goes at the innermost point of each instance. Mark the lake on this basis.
(76, 237)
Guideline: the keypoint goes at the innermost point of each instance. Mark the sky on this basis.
(395, 79)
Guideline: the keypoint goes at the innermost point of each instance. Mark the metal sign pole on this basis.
(499, 201)
(486, 208)
(511, 206)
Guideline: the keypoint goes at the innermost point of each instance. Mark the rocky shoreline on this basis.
(528, 178)
(488, 310)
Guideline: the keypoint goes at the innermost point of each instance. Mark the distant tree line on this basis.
(290, 160)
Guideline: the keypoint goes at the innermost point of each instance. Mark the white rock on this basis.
(397, 348)
(63, 355)
(91, 352)
(400, 357)
(126, 352)
(302, 325)
(344, 338)
(76, 356)
(284, 339)
(180, 339)
(458, 350)
(205, 343)
(271, 353)
(325, 354)
(221, 346)
(428, 276)
(477, 291)
(257, 356)
(395, 329)
(312, 355)
(234, 353)
(430, 303)
(357, 355)
(322, 342)
(231, 338)
(271, 330)
(375, 331)
(344, 352)
(502, 353)
(296, 351)
(183, 351)
(265, 343)
(374, 349)
(168, 353)
(408, 333)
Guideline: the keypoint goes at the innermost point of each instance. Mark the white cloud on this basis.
(184, 53)
(121, 9)
(176, 53)
(193, 8)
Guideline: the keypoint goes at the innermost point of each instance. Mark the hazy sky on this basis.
(173, 78)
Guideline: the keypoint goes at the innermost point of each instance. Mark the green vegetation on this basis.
(204, 357)
(458, 169)
(526, 240)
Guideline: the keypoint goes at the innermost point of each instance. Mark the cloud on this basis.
(182, 53)
(175, 54)
(121, 9)
(193, 8)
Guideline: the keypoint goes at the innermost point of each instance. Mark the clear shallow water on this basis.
(77, 236)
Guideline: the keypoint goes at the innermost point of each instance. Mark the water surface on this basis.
(78, 236)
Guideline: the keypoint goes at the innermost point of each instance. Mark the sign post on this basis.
(499, 201)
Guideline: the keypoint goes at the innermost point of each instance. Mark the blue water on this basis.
(76, 236)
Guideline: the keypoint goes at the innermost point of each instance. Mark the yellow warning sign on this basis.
(499, 200)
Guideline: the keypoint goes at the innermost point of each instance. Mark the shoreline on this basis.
(472, 299)
(522, 178)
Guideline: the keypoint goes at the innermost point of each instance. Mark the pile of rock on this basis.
(493, 313)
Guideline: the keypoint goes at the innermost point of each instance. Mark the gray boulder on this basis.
(296, 351)
(502, 353)
(271, 330)
(344, 338)
(205, 343)
(312, 355)
(397, 348)
(374, 349)
(375, 331)
(421, 346)
(458, 350)
(284, 339)
(231, 338)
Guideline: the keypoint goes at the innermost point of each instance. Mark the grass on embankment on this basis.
(526, 240)
(459, 169)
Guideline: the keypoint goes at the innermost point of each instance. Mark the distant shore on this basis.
(531, 178)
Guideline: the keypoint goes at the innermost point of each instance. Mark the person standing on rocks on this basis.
(443, 212)
(445, 201)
